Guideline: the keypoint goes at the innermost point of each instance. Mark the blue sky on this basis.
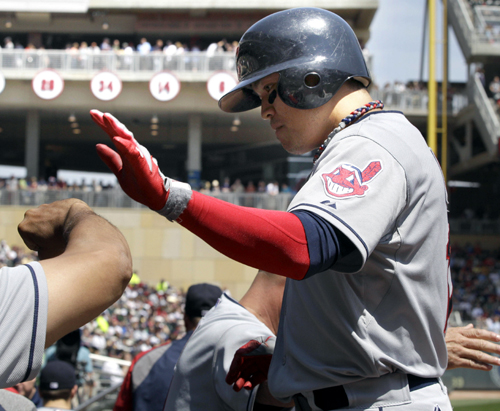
(396, 42)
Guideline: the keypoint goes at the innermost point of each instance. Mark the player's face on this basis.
(299, 131)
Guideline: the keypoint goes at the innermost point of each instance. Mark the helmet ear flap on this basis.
(303, 89)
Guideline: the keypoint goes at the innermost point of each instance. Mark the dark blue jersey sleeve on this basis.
(326, 244)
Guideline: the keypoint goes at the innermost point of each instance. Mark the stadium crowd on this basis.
(143, 46)
(476, 285)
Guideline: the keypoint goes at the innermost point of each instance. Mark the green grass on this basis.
(476, 405)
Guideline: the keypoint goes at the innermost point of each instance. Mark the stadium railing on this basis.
(89, 62)
(117, 198)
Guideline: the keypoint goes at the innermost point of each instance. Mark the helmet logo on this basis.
(347, 180)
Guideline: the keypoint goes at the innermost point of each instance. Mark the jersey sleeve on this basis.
(223, 356)
(23, 322)
(361, 190)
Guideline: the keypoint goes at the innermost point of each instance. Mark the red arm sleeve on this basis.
(274, 241)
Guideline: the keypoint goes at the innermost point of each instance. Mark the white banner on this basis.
(219, 84)
(48, 84)
(106, 86)
(164, 86)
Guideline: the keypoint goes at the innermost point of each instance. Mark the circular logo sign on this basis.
(48, 84)
(2, 83)
(106, 86)
(164, 86)
(219, 84)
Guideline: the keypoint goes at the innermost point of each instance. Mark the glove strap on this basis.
(179, 195)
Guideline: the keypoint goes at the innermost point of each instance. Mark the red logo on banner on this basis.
(103, 87)
(106, 86)
(219, 84)
(47, 84)
(164, 86)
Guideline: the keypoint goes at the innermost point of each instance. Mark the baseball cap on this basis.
(200, 298)
(57, 375)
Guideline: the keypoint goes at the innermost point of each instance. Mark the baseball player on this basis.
(206, 358)
(364, 243)
(199, 378)
(85, 266)
(148, 378)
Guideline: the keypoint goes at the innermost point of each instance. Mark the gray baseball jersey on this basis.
(383, 308)
(199, 378)
(23, 322)
(10, 401)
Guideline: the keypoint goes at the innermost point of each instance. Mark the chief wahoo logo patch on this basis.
(349, 181)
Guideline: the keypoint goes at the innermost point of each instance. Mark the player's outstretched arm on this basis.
(468, 347)
(86, 260)
(274, 241)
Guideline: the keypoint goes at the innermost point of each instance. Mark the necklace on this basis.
(351, 118)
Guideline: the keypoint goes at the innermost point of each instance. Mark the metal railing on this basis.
(474, 226)
(117, 198)
(490, 123)
(87, 61)
(416, 101)
(472, 29)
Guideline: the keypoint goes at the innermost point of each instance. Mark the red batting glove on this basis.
(250, 364)
(136, 170)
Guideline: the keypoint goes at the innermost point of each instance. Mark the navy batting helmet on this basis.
(314, 51)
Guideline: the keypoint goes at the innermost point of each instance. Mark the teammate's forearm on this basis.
(273, 241)
(88, 276)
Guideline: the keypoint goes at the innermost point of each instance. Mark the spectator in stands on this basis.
(226, 185)
(8, 44)
(480, 75)
(148, 378)
(57, 386)
(180, 48)
(211, 49)
(237, 186)
(272, 188)
(116, 45)
(170, 50)
(493, 324)
(144, 47)
(94, 48)
(495, 90)
(250, 188)
(106, 45)
(215, 186)
(158, 47)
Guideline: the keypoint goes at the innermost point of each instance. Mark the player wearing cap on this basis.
(364, 243)
(57, 385)
(148, 378)
(199, 377)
